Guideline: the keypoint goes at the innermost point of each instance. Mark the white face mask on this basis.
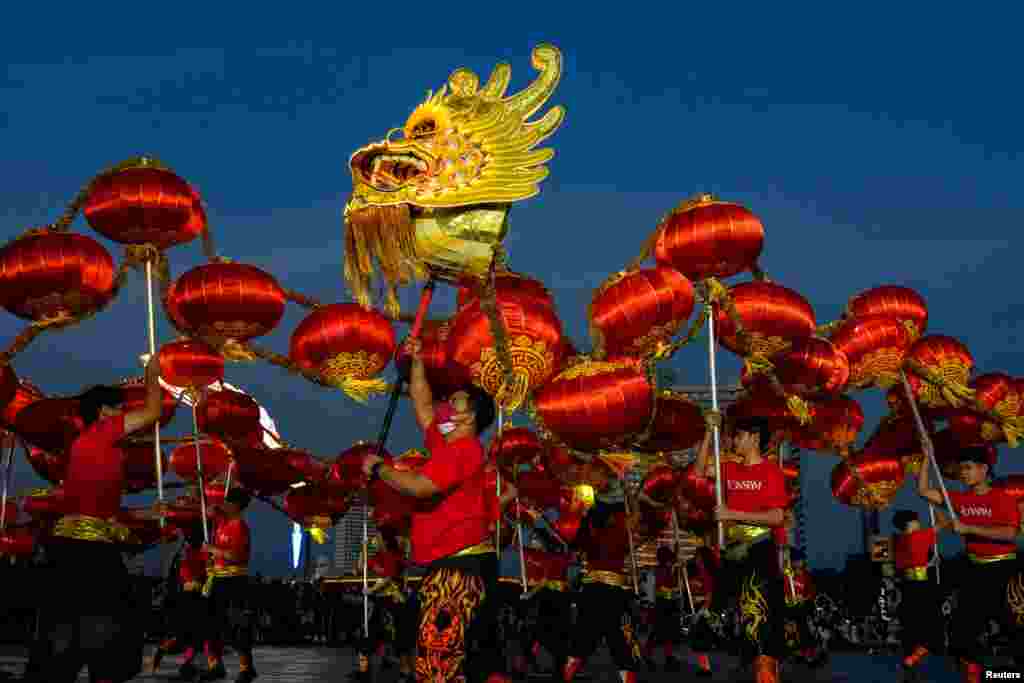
(446, 428)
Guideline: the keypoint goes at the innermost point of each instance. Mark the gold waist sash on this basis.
(745, 533)
(916, 573)
(478, 549)
(86, 528)
(989, 559)
(556, 585)
(392, 592)
(222, 573)
(606, 577)
(665, 593)
(191, 586)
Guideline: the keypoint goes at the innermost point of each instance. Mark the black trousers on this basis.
(230, 618)
(666, 621)
(988, 591)
(753, 585)
(90, 618)
(553, 625)
(920, 616)
(605, 612)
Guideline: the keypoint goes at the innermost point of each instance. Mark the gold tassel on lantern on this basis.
(799, 408)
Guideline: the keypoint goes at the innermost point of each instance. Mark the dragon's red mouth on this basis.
(387, 170)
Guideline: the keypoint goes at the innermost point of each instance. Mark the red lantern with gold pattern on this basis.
(47, 275)
(516, 446)
(264, 471)
(52, 424)
(233, 301)
(896, 435)
(534, 336)
(229, 415)
(704, 237)
(143, 202)
(812, 367)
(346, 345)
(939, 370)
(25, 394)
(307, 502)
(661, 483)
(773, 318)
(52, 467)
(597, 404)
(190, 364)
(444, 377)
(216, 459)
(636, 313)
(901, 303)
(875, 347)
(835, 424)
(506, 282)
(997, 393)
(140, 467)
(883, 476)
(678, 424)
(135, 399)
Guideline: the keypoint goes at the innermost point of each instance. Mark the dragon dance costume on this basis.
(227, 592)
(548, 582)
(800, 593)
(190, 608)
(606, 598)
(666, 609)
(919, 614)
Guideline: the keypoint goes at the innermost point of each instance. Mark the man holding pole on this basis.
(450, 531)
(989, 521)
(920, 617)
(754, 499)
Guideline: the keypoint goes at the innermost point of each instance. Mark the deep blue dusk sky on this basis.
(876, 145)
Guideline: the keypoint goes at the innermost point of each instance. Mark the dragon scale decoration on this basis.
(434, 201)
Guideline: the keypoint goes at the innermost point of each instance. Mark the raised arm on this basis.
(924, 486)
(419, 388)
(712, 421)
(149, 413)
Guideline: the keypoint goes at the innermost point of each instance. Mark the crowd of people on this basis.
(747, 592)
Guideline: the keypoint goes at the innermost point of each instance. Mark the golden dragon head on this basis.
(433, 197)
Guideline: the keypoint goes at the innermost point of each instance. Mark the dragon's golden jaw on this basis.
(435, 200)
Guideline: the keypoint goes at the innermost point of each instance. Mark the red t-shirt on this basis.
(232, 535)
(914, 549)
(995, 508)
(193, 566)
(457, 518)
(754, 488)
(606, 548)
(95, 474)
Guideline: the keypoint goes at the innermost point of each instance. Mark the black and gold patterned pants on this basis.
(988, 591)
(450, 600)
(753, 586)
(605, 612)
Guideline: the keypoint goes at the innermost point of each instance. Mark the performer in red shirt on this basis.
(989, 521)
(702, 582)
(755, 498)
(605, 601)
(666, 610)
(450, 532)
(547, 574)
(919, 614)
(190, 607)
(800, 592)
(227, 589)
(89, 624)
(390, 609)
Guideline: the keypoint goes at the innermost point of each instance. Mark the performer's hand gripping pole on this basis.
(926, 445)
(714, 406)
(396, 391)
(157, 453)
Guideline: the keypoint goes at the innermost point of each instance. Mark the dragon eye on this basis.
(424, 128)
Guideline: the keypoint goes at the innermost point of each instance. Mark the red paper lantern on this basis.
(999, 394)
(444, 377)
(636, 313)
(704, 237)
(52, 424)
(948, 450)
(773, 317)
(135, 399)
(697, 489)
(17, 543)
(506, 283)
(46, 275)
(233, 301)
(901, 303)
(678, 424)
(896, 435)
(516, 446)
(190, 364)
(597, 404)
(264, 471)
(25, 394)
(52, 467)
(812, 367)
(835, 424)
(346, 345)
(229, 415)
(534, 336)
(761, 402)
(947, 364)
(347, 471)
(140, 467)
(875, 347)
(883, 476)
(306, 465)
(661, 483)
(143, 202)
(8, 385)
(308, 502)
(1012, 484)
(46, 504)
(216, 460)
(539, 488)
